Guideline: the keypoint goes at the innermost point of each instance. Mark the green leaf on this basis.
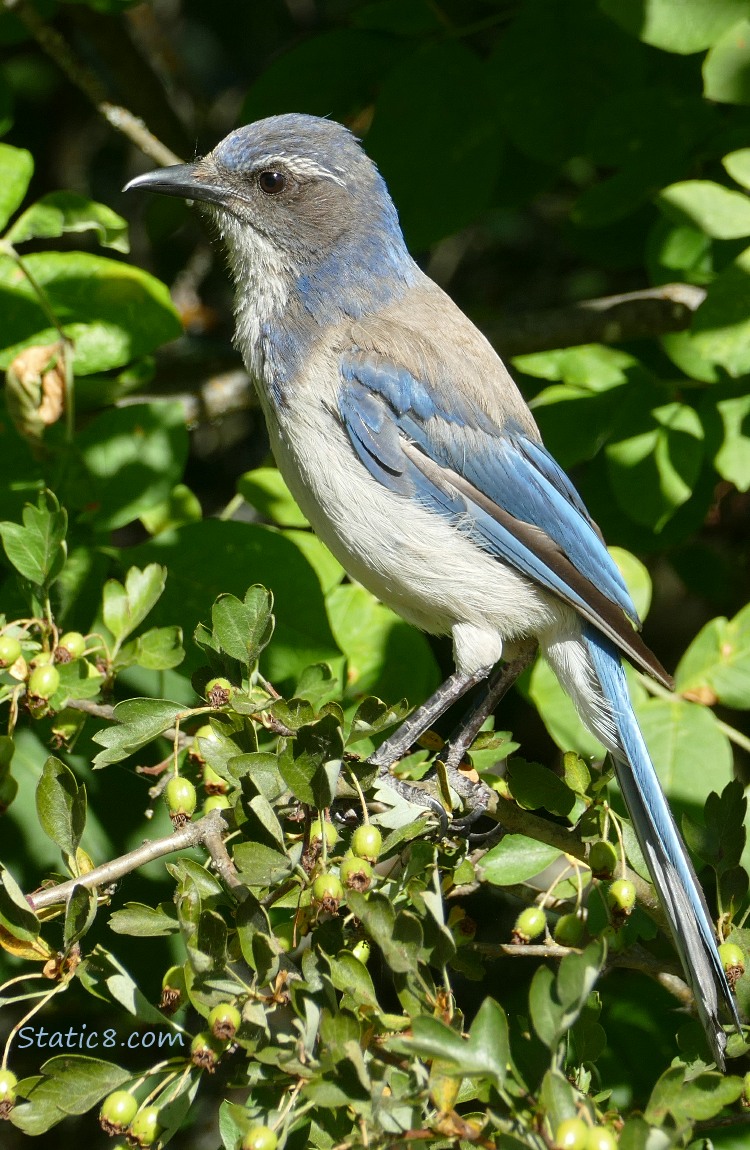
(725, 69)
(125, 607)
(558, 1098)
(687, 27)
(137, 722)
(689, 751)
(80, 912)
(61, 807)
(716, 665)
(60, 212)
(37, 549)
(144, 921)
(16, 916)
(385, 656)
(352, 977)
(260, 865)
(654, 462)
(419, 127)
(131, 458)
(534, 786)
(732, 460)
(114, 312)
(267, 492)
(691, 1099)
(559, 714)
(70, 1084)
(737, 164)
(228, 552)
(159, 649)
(16, 170)
(637, 579)
(310, 763)
(555, 1002)
(719, 212)
(244, 629)
(516, 859)
(180, 506)
(721, 325)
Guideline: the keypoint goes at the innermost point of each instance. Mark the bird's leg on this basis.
(477, 795)
(395, 747)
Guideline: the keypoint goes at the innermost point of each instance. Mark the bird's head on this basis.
(301, 184)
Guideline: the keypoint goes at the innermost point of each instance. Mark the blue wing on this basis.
(518, 504)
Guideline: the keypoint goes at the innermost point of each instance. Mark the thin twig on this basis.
(204, 831)
(57, 48)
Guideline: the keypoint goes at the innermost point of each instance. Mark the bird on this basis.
(407, 444)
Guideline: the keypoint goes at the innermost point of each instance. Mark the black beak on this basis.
(180, 180)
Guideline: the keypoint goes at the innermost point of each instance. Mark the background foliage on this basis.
(541, 153)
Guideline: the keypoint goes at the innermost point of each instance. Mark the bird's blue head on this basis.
(297, 196)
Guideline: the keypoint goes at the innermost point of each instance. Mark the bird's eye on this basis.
(272, 182)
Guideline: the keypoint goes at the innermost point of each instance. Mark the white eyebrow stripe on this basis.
(300, 166)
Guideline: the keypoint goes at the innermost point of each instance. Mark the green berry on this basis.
(260, 1138)
(746, 1087)
(173, 990)
(530, 923)
(732, 956)
(205, 1051)
(367, 842)
(327, 891)
(181, 797)
(569, 930)
(74, 643)
(10, 649)
(224, 1021)
(602, 858)
(216, 803)
(213, 783)
(205, 732)
(218, 692)
(361, 950)
(145, 1128)
(318, 829)
(355, 873)
(44, 681)
(571, 1134)
(600, 1138)
(8, 1083)
(117, 1112)
(621, 895)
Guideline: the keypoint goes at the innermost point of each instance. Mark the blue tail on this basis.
(663, 849)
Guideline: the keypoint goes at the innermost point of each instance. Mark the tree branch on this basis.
(644, 314)
(205, 831)
(57, 48)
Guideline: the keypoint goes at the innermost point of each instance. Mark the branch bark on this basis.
(205, 831)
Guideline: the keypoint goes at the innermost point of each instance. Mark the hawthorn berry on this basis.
(145, 1127)
(8, 1083)
(323, 829)
(218, 691)
(259, 1138)
(569, 930)
(621, 896)
(328, 892)
(224, 1021)
(181, 797)
(602, 858)
(74, 643)
(355, 873)
(367, 842)
(733, 960)
(205, 1051)
(117, 1112)
(530, 923)
(10, 649)
(600, 1138)
(571, 1134)
(44, 681)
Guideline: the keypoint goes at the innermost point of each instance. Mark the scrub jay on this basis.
(406, 443)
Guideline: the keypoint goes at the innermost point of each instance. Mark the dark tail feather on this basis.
(664, 852)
